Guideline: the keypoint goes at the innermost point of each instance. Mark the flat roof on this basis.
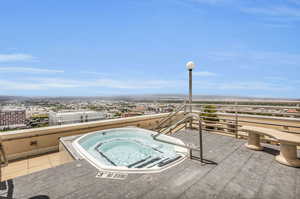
(238, 173)
(11, 110)
(78, 112)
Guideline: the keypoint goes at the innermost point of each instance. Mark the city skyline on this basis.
(241, 48)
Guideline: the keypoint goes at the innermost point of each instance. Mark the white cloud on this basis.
(241, 85)
(254, 58)
(133, 84)
(48, 83)
(16, 57)
(27, 70)
(277, 25)
(276, 78)
(14, 85)
(265, 86)
(276, 11)
(58, 83)
(275, 15)
(204, 74)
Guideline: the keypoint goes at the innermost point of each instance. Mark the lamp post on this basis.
(190, 66)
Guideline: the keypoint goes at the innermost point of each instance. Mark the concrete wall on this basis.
(265, 119)
(24, 143)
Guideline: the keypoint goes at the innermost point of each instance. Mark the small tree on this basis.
(209, 114)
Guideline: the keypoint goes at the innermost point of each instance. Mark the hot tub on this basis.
(129, 149)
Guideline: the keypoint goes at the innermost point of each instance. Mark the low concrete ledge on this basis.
(23, 143)
(67, 127)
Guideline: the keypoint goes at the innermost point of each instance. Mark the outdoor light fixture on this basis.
(190, 65)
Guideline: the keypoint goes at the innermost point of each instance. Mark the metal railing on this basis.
(252, 109)
(229, 118)
(184, 120)
(189, 117)
(169, 117)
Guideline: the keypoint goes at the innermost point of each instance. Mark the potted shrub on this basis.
(209, 116)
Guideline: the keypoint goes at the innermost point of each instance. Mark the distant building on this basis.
(131, 114)
(10, 119)
(74, 117)
(140, 108)
(292, 111)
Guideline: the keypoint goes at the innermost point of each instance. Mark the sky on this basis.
(102, 48)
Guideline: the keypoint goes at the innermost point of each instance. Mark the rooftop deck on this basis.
(239, 173)
(30, 165)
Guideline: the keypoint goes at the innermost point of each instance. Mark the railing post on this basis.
(236, 121)
(190, 153)
(200, 140)
(191, 123)
(185, 123)
(1, 161)
(190, 94)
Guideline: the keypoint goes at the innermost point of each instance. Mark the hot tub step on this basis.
(156, 163)
(147, 163)
(163, 163)
(138, 162)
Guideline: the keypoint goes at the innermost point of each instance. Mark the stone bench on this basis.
(288, 143)
(213, 125)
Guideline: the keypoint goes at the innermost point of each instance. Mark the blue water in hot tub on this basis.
(128, 147)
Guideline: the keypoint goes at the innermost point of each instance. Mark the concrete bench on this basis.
(288, 143)
(213, 125)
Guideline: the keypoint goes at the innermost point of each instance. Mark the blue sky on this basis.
(94, 48)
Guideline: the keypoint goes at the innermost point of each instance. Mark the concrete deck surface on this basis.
(30, 165)
(239, 173)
